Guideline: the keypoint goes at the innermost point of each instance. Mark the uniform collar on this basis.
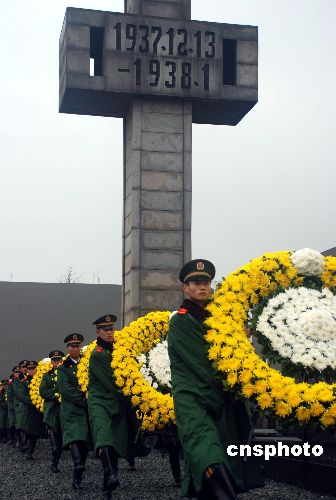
(195, 310)
(105, 345)
(69, 362)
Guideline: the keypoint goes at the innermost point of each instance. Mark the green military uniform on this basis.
(208, 419)
(51, 408)
(51, 405)
(17, 407)
(3, 411)
(30, 420)
(74, 415)
(113, 421)
(11, 408)
(10, 401)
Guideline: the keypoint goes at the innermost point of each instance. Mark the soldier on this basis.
(20, 439)
(51, 408)
(74, 416)
(113, 421)
(10, 406)
(3, 410)
(208, 419)
(30, 419)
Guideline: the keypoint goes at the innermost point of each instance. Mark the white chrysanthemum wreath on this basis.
(300, 324)
(156, 367)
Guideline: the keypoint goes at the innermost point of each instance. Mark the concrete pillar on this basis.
(157, 190)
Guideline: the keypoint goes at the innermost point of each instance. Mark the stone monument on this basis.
(160, 72)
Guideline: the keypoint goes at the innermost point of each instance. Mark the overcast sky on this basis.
(267, 184)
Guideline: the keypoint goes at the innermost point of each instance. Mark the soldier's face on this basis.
(74, 350)
(198, 291)
(56, 362)
(106, 333)
(31, 371)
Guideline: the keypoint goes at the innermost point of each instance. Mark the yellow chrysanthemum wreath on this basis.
(34, 387)
(154, 409)
(243, 370)
(83, 367)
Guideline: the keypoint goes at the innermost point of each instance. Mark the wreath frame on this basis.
(154, 409)
(243, 371)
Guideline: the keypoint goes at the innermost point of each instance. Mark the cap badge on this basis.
(200, 266)
(108, 318)
(56, 353)
(75, 337)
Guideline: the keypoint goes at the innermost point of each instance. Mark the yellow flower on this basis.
(232, 378)
(303, 414)
(260, 386)
(283, 409)
(135, 400)
(245, 376)
(326, 395)
(265, 401)
(327, 420)
(247, 390)
(316, 409)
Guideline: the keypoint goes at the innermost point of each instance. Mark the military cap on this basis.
(16, 369)
(74, 338)
(23, 364)
(107, 320)
(197, 270)
(32, 364)
(4, 381)
(56, 354)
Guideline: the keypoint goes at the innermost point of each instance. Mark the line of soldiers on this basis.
(103, 421)
(208, 418)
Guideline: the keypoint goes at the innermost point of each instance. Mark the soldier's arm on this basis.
(102, 370)
(22, 394)
(186, 344)
(47, 390)
(68, 390)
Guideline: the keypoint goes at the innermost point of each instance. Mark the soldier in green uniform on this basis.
(208, 419)
(30, 419)
(11, 410)
(3, 411)
(51, 408)
(74, 415)
(114, 423)
(21, 439)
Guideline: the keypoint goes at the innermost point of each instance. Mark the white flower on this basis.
(308, 262)
(156, 366)
(301, 326)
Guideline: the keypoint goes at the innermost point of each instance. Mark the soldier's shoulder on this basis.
(179, 316)
(97, 351)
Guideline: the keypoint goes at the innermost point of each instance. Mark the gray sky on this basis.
(267, 184)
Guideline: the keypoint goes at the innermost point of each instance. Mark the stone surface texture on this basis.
(157, 205)
(157, 191)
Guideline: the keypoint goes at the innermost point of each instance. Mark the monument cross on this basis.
(159, 71)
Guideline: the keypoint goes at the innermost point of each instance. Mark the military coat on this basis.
(17, 407)
(208, 419)
(112, 418)
(51, 405)
(30, 419)
(73, 410)
(10, 402)
(3, 410)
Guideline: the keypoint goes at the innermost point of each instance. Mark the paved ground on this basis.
(22, 480)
